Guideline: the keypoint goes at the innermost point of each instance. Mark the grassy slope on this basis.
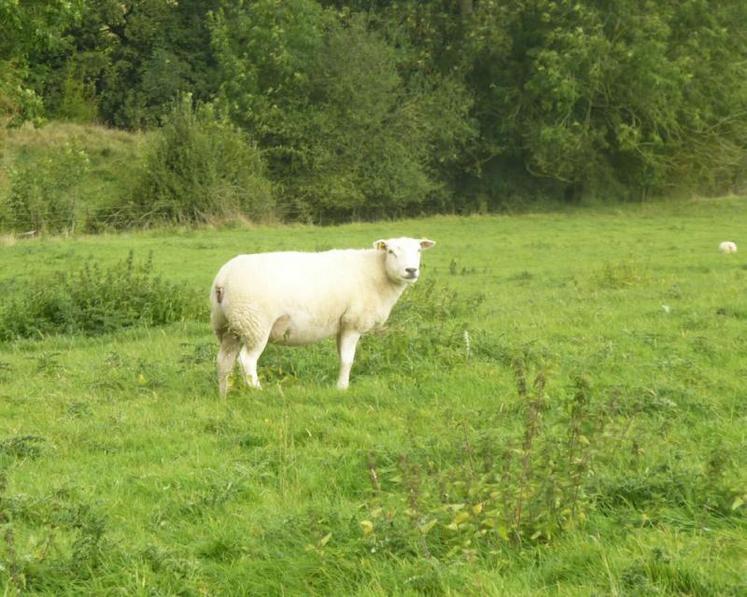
(113, 157)
(145, 481)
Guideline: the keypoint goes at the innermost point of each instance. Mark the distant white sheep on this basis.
(296, 298)
(728, 247)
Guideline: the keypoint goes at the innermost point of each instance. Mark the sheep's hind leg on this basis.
(227, 353)
(248, 358)
(347, 340)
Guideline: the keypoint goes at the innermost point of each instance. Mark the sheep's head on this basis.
(402, 257)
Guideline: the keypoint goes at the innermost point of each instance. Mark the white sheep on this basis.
(296, 298)
(728, 247)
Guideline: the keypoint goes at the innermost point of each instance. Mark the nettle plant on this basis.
(94, 299)
(527, 490)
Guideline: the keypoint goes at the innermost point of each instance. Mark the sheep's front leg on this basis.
(347, 340)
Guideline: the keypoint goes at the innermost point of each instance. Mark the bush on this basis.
(77, 99)
(95, 300)
(199, 168)
(43, 194)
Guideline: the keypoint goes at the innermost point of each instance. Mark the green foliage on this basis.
(69, 177)
(17, 103)
(138, 55)
(344, 133)
(44, 194)
(77, 102)
(199, 168)
(94, 300)
(581, 98)
(379, 109)
(610, 101)
(519, 491)
(27, 28)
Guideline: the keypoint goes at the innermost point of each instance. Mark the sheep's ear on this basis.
(426, 243)
(380, 245)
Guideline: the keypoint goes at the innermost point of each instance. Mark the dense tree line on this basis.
(384, 107)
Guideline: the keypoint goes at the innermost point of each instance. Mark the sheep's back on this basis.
(283, 281)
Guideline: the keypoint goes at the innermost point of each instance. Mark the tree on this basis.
(344, 134)
(620, 98)
(199, 167)
(129, 60)
(24, 28)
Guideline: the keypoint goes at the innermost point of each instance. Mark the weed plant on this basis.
(94, 300)
(491, 494)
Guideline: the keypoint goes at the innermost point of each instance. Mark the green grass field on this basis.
(586, 436)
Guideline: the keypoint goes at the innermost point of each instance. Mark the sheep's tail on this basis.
(218, 290)
(218, 294)
(217, 315)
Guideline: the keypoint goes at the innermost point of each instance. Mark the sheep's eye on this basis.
(390, 252)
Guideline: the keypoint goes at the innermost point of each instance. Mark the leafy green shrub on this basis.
(95, 300)
(43, 193)
(77, 101)
(199, 168)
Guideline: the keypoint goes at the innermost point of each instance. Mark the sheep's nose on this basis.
(411, 270)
